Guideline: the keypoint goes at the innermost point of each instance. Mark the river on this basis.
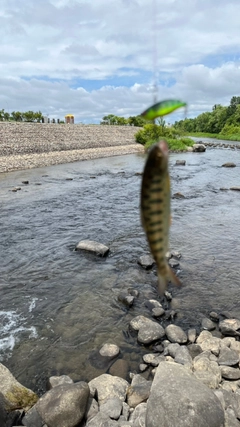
(58, 306)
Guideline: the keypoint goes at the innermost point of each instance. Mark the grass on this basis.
(234, 137)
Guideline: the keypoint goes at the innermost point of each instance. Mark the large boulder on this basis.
(177, 399)
(199, 148)
(92, 246)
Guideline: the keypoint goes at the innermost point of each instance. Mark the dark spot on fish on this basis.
(160, 240)
(153, 224)
(153, 201)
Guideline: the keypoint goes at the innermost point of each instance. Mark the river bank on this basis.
(34, 145)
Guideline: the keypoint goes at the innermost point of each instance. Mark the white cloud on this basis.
(197, 47)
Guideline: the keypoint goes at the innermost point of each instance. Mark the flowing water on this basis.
(58, 306)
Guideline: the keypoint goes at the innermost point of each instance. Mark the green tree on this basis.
(136, 121)
(28, 116)
(16, 116)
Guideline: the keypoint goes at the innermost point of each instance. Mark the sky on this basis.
(100, 57)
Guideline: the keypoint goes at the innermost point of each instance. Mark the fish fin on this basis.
(173, 278)
(162, 283)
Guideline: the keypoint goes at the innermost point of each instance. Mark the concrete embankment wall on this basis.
(28, 145)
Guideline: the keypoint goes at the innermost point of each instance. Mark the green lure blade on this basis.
(162, 108)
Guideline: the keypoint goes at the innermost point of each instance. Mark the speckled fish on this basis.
(155, 210)
(162, 108)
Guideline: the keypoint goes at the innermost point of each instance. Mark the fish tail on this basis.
(163, 280)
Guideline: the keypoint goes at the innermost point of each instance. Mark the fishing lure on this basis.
(162, 108)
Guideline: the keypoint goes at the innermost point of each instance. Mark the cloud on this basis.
(53, 52)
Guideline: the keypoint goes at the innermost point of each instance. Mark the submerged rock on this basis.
(109, 350)
(146, 261)
(92, 246)
(180, 162)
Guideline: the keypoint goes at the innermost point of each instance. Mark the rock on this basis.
(91, 246)
(156, 308)
(146, 261)
(230, 418)
(199, 148)
(192, 334)
(235, 188)
(92, 408)
(138, 416)
(33, 418)
(112, 407)
(180, 162)
(194, 350)
(214, 316)
(212, 344)
(175, 334)
(102, 420)
(191, 404)
(228, 357)
(183, 356)
(230, 327)
(168, 296)
(138, 391)
(25, 182)
(64, 405)
(148, 330)
(229, 165)
(178, 196)
(109, 350)
(14, 393)
(208, 324)
(142, 367)
(171, 349)
(173, 263)
(230, 373)
(176, 254)
(204, 335)
(190, 149)
(109, 386)
(120, 369)
(158, 311)
(126, 299)
(207, 371)
(125, 411)
(16, 189)
(54, 381)
(153, 359)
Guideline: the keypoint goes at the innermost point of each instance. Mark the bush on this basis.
(230, 130)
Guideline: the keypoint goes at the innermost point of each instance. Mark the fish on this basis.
(155, 211)
(162, 109)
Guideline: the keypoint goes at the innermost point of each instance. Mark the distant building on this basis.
(69, 119)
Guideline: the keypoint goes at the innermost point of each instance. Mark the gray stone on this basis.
(173, 263)
(168, 295)
(180, 162)
(176, 254)
(230, 327)
(143, 367)
(125, 411)
(109, 350)
(194, 350)
(153, 359)
(178, 196)
(191, 404)
(58, 380)
(192, 334)
(230, 418)
(208, 324)
(207, 371)
(211, 344)
(230, 373)
(139, 391)
(101, 420)
(158, 311)
(64, 405)
(171, 349)
(92, 246)
(138, 416)
(229, 165)
(92, 408)
(148, 330)
(198, 148)
(15, 394)
(109, 386)
(214, 316)
(230, 385)
(112, 407)
(235, 188)
(182, 356)
(228, 357)
(204, 335)
(175, 334)
(146, 261)
(126, 299)
(32, 418)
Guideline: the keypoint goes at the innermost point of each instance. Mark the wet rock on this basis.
(148, 330)
(112, 407)
(168, 296)
(158, 311)
(194, 350)
(109, 386)
(139, 391)
(16, 189)
(190, 149)
(153, 359)
(228, 357)
(14, 393)
(92, 408)
(92, 246)
(32, 418)
(64, 405)
(208, 324)
(25, 182)
(214, 316)
(235, 188)
(55, 381)
(223, 189)
(199, 148)
(171, 349)
(126, 299)
(173, 263)
(133, 292)
(183, 356)
(109, 350)
(146, 261)
(178, 196)
(229, 165)
(155, 307)
(191, 404)
(137, 418)
(180, 162)
(192, 334)
(120, 369)
(175, 334)
(230, 373)
(143, 367)
(69, 179)
(230, 327)
(168, 255)
(176, 254)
